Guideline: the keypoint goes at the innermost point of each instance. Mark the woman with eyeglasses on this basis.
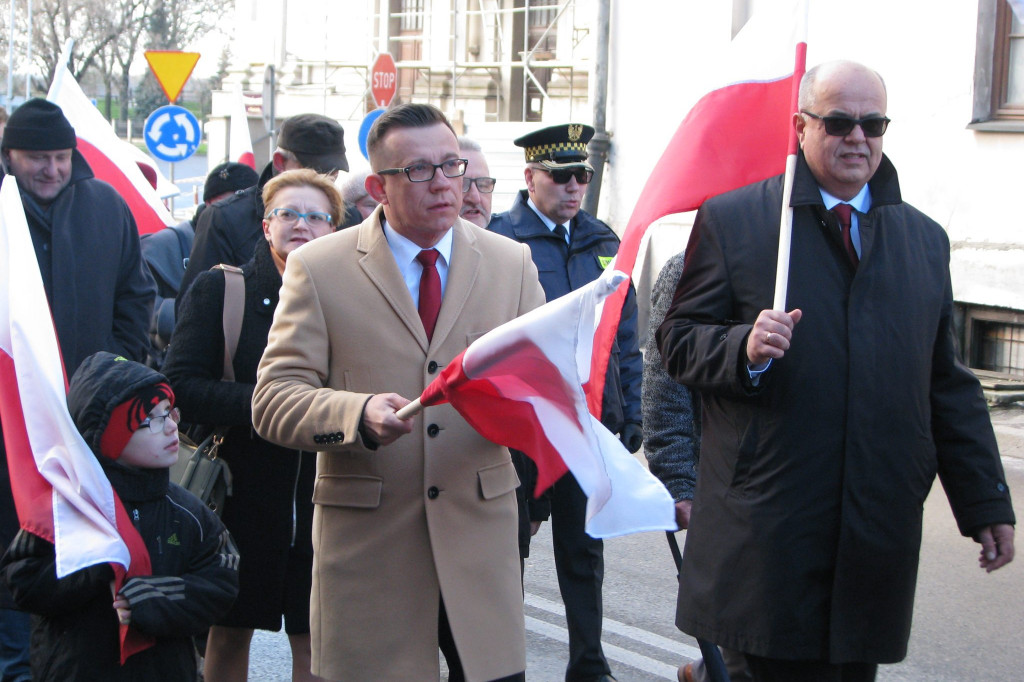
(270, 510)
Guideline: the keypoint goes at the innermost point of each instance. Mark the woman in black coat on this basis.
(270, 510)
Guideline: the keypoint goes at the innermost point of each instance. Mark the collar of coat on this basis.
(884, 185)
(526, 224)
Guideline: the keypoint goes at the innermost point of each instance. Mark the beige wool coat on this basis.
(432, 514)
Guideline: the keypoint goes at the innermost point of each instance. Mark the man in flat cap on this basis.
(228, 231)
(571, 248)
(99, 291)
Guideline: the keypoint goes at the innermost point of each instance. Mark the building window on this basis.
(995, 341)
(998, 68)
(1008, 64)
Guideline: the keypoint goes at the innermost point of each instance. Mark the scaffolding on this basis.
(504, 60)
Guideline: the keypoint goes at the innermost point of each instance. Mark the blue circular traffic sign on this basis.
(172, 133)
(364, 129)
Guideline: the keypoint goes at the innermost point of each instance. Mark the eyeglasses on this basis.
(561, 176)
(156, 422)
(424, 172)
(840, 126)
(290, 216)
(485, 185)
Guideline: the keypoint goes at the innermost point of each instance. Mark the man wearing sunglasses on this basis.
(823, 427)
(571, 248)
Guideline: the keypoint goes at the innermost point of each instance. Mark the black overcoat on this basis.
(270, 511)
(806, 523)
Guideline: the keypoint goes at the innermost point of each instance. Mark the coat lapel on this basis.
(462, 275)
(379, 265)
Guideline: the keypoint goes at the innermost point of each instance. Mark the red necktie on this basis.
(430, 290)
(842, 211)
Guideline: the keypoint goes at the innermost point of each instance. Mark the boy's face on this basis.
(153, 450)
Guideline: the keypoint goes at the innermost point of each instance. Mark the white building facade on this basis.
(954, 72)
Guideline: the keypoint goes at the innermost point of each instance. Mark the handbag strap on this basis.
(234, 309)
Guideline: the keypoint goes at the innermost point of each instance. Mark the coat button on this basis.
(433, 430)
(431, 367)
(266, 301)
(433, 492)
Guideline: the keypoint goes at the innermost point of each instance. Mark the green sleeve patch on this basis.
(604, 261)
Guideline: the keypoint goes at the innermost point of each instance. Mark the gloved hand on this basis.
(632, 436)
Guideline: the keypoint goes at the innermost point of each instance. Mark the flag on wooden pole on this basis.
(735, 135)
(521, 385)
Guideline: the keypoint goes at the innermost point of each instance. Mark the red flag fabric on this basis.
(520, 385)
(60, 491)
(107, 155)
(735, 135)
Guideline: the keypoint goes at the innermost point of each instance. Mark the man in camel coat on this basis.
(415, 529)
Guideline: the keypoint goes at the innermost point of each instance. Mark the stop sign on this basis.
(383, 79)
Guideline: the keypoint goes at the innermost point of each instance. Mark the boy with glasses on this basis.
(571, 248)
(124, 411)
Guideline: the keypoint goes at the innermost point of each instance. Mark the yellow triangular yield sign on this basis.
(172, 69)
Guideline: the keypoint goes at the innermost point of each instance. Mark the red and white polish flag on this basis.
(239, 140)
(738, 133)
(520, 385)
(108, 155)
(60, 491)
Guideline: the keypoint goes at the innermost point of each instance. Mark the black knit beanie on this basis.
(39, 125)
(228, 177)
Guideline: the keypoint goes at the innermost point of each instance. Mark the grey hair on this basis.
(354, 187)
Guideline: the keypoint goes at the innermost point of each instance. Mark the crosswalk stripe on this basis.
(621, 629)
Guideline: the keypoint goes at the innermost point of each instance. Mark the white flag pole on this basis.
(786, 218)
(410, 410)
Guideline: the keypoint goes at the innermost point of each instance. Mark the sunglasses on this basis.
(840, 126)
(561, 176)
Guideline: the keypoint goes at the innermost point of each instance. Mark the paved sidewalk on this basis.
(1008, 422)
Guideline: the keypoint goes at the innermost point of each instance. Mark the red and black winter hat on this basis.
(126, 417)
(109, 396)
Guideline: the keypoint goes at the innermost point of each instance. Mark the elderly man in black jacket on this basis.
(824, 427)
(87, 247)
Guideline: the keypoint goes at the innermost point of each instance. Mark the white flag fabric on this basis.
(106, 153)
(240, 141)
(75, 508)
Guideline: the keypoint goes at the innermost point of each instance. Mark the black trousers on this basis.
(579, 564)
(446, 643)
(775, 670)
